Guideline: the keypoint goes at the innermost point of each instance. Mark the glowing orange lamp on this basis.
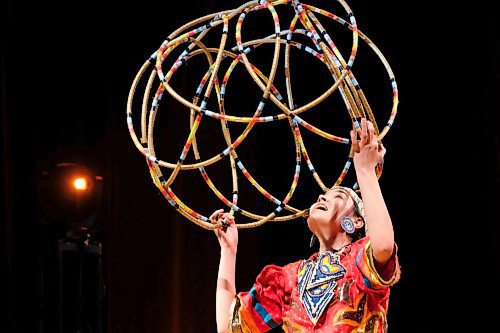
(80, 184)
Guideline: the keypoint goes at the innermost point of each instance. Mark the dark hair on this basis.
(358, 233)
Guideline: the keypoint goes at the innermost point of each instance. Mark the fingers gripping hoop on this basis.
(322, 48)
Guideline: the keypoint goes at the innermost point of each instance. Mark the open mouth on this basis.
(321, 207)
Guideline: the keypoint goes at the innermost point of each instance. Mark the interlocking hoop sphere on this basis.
(306, 22)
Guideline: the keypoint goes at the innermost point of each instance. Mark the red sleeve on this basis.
(375, 277)
(262, 307)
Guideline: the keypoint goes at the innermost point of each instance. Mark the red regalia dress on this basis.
(339, 291)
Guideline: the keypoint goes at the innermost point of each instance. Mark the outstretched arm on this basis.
(369, 152)
(226, 287)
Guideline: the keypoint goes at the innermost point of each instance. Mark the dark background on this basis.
(66, 69)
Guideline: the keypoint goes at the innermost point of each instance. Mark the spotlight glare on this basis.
(80, 184)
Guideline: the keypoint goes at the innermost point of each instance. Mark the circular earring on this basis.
(348, 225)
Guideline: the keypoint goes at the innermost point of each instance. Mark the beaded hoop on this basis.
(323, 48)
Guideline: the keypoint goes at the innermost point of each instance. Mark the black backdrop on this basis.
(65, 73)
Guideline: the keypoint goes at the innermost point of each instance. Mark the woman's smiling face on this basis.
(329, 208)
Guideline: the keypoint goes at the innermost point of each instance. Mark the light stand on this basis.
(72, 282)
(80, 285)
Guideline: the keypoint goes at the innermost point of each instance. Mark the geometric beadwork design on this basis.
(317, 283)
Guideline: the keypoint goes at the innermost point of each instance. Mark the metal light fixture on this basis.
(71, 263)
(70, 195)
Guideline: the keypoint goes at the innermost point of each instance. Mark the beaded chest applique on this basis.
(317, 282)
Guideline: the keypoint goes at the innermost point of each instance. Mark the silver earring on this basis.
(312, 241)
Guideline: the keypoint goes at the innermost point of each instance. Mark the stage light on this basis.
(70, 194)
(81, 184)
(72, 226)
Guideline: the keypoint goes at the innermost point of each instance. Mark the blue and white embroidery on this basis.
(317, 282)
